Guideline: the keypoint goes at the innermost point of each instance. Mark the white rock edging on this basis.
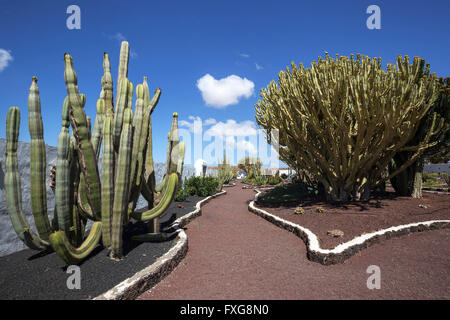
(145, 279)
(347, 249)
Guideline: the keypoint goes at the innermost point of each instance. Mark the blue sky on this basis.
(176, 43)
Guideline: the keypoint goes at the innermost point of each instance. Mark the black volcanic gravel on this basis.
(29, 274)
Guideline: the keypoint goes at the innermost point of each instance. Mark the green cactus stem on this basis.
(13, 191)
(96, 138)
(38, 163)
(87, 158)
(107, 180)
(163, 204)
(137, 125)
(121, 188)
(146, 145)
(107, 86)
(135, 175)
(120, 106)
(63, 195)
(123, 67)
(68, 253)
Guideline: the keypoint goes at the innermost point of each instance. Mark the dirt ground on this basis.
(234, 254)
(358, 218)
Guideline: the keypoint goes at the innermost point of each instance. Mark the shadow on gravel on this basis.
(2, 178)
(298, 194)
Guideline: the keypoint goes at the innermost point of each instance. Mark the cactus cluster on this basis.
(225, 172)
(81, 192)
(344, 119)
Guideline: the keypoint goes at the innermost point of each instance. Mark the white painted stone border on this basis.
(347, 249)
(148, 277)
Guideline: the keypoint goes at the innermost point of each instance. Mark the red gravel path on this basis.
(234, 254)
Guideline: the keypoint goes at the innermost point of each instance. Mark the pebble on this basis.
(336, 233)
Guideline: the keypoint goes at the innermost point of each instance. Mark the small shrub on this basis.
(429, 176)
(446, 177)
(181, 195)
(248, 180)
(299, 210)
(274, 180)
(191, 190)
(202, 187)
(320, 209)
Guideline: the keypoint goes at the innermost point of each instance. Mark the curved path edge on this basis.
(148, 277)
(347, 249)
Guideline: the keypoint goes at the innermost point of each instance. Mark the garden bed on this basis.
(354, 219)
(29, 274)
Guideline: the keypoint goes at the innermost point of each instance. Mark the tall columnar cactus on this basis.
(225, 173)
(63, 193)
(107, 180)
(86, 154)
(343, 120)
(38, 163)
(121, 187)
(82, 193)
(13, 187)
(64, 200)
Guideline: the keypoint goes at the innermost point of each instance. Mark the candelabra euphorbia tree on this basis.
(409, 181)
(343, 119)
(108, 198)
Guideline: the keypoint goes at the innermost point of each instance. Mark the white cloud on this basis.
(246, 146)
(244, 55)
(224, 92)
(232, 128)
(5, 59)
(242, 145)
(210, 121)
(118, 36)
(258, 67)
(196, 124)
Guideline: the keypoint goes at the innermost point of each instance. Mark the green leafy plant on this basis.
(202, 187)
